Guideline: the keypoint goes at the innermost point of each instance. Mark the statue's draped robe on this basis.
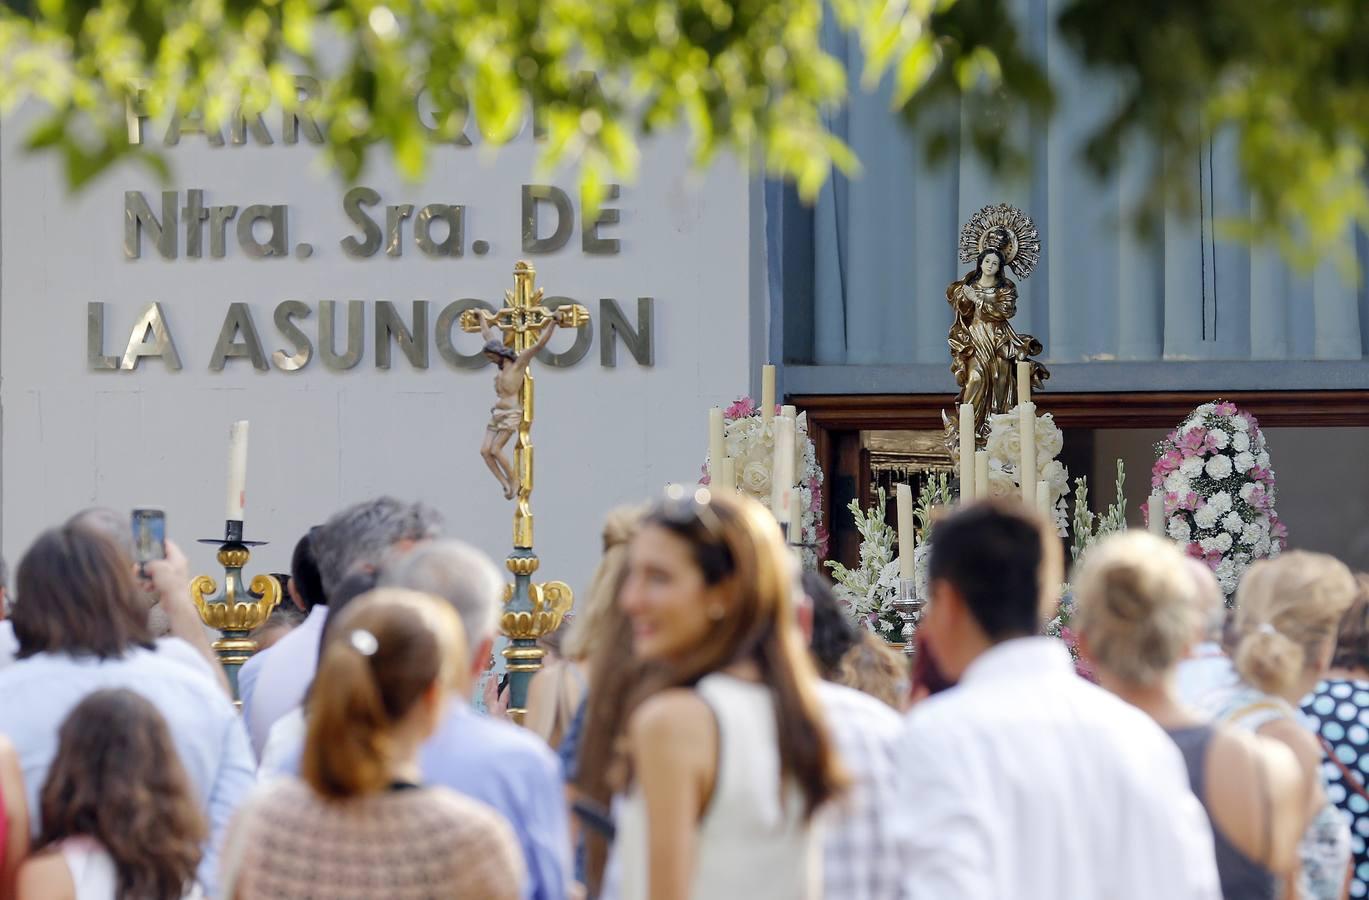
(985, 348)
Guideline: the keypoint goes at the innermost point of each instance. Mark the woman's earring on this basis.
(716, 612)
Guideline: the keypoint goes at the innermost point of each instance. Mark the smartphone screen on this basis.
(149, 535)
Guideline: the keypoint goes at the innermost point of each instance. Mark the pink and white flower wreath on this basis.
(1218, 487)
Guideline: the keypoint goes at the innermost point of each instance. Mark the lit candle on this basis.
(904, 496)
(1043, 500)
(967, 446)
(782, 467)
(1026, 429)
(715, 441)
(727, 475)
(767, 393)
(237, 470)
(795, 516)
(1024, 381)
(1156, 507)
(981, 475)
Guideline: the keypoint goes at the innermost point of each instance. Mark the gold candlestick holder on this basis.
(237, 611)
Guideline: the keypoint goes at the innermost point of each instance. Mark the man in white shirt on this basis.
(273, 682)
(1024, 780)
(861, 857)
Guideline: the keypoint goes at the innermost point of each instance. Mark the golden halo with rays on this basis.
(1006, 229)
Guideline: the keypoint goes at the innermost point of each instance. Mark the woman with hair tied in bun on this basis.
(1137, 617)
(1284, 636)
(361, 825)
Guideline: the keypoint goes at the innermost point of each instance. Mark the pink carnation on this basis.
(744, 407)
(1157, 480)
(1193, 442)
(1169, 462)
(1226, 408)
(1278, 530)
(1259, 499)
(1194, 550)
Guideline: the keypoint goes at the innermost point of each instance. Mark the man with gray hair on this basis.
(486, 758)
(357, 539)
(1208, 668)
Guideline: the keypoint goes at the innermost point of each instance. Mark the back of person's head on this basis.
(305, 583)
(833, 633)
(1004, 563)
(595, 617)
(742, 559)
(455, 572)
(117, 527)
(363, 534)
(385, 653)
(77, 596)
(874, 667)
(1352, 637)
(1137, 610)
(1208, 599)
(1287, 612)
(116, 778)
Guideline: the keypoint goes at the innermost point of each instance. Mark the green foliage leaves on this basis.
(1290, 80)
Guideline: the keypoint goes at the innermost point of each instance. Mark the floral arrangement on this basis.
(870, 589)
(1218, 489)
(1088, 529)
(751, 442)
(1004, 445)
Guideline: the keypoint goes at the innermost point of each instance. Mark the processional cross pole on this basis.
(530, 609)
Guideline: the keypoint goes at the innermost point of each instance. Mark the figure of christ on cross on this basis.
(507, 413)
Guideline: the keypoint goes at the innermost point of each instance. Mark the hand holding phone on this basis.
(149, 535)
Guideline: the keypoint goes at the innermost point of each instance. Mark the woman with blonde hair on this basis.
(1284, 636)
(1138, 615)
(361, 824)
(729, 756)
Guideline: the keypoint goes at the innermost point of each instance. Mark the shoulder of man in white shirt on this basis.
(845, 704)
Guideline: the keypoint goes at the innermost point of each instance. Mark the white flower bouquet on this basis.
(750, 441)
(1004, 445)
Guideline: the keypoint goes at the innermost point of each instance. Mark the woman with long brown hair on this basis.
(120, 821)
(391, 663)
(729, 756)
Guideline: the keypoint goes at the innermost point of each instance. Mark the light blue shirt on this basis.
(509, 769)
(39, 693)
(273, 682)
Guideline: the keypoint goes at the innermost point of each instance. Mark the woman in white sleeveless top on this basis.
(119, 819)
(728, 755)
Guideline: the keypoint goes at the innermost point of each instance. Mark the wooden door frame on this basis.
(828, 414)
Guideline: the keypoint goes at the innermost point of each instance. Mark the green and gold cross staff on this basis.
(524, 324)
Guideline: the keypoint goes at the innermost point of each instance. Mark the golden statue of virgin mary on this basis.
(984, 346)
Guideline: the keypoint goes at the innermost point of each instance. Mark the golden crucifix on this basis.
(525, 326)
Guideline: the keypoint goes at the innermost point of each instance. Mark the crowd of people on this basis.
(710, 724)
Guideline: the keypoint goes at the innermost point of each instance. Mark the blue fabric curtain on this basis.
(862, 274)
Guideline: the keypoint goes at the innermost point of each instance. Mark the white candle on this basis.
(767, 393)
(1156, 507)
(1026, 473)
(1024, 381)
(981, 475)
(782, 467)
(715, 441)
(795, 516)
(904, 496)
(237, 469)
(967, 446)
(1043, 500)
(727, 475)
(790, 411)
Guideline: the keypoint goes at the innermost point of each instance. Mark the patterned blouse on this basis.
(1339, 708)
(414, 844)
(1325, 847)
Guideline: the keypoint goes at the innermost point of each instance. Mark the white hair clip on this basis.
(364, 642)
(1266, 628)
